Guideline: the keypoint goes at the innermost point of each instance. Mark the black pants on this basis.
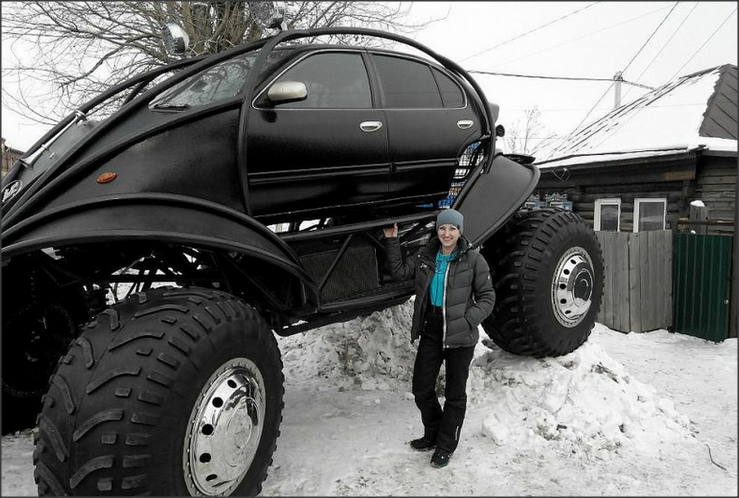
(441, 425)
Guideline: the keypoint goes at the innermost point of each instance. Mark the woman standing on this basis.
(454, 294)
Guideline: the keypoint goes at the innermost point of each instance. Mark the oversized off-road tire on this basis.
(547, 269)
(171, 392)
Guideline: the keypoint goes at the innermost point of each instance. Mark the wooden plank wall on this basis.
(637, 290)
(716, 187)
(676, 193)
(584, 205)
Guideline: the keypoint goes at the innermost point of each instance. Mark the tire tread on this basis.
(129, 372)
(517, 255)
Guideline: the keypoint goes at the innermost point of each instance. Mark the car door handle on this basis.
(370, 126)
(463, 124)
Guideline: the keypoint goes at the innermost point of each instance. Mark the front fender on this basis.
(156, 217)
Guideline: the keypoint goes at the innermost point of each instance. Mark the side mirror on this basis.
(499, 130)
(287, 91)
(175, 39)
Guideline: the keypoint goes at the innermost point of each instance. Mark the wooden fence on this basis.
(637, 293)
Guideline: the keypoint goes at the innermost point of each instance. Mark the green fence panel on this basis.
(702, 285)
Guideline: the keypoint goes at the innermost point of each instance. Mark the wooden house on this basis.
(642, 165)
(10, 156)
(657, 179)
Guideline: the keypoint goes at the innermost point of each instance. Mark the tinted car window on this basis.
(224, 80)
(407, 83)
(451, 94)
(334, 80)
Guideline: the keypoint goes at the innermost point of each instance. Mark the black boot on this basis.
(440, 458)
(423, 444)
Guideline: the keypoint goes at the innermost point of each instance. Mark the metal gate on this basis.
(702, 285)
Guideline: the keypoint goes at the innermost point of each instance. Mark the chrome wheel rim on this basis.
(572, 287)
(224, 429)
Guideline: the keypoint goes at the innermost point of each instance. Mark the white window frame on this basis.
(644, 200)
(615, 201)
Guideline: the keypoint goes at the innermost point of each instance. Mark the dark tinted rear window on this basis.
(451, 94)
(407, 83)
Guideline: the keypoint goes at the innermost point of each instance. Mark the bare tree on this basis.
(531, 138)
(68, 51)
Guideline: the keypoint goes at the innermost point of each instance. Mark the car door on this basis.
(327, 151)
(429, 122)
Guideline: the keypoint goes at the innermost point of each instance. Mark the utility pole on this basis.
(618, 78)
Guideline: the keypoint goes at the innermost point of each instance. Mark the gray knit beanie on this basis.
(452, 217)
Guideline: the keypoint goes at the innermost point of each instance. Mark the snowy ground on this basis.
(625, 414)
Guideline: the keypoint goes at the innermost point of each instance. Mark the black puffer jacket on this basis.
(469, 296)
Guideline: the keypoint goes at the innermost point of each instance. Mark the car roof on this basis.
(300, 49)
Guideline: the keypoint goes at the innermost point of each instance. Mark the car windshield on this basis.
(222, 81)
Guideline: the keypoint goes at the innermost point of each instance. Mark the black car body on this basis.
(207, 159)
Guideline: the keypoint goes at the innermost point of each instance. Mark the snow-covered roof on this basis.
(667, 120)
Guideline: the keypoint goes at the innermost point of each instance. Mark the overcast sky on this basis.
(578, 40)
(651, 42)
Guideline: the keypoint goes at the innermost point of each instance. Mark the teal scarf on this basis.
(437, 283)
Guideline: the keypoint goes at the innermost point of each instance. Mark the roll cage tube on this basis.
(139, 82)
(270, 44)
(43, 184)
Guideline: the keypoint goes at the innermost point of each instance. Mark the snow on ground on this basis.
(625, 414)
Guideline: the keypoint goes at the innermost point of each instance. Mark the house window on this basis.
(607, 215)
(649, 214)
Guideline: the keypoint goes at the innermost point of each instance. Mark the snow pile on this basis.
(368, 353)
(585, 400)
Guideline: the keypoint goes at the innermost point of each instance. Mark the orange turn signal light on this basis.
(107, 177)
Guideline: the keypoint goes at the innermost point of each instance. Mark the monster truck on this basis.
(157, 239)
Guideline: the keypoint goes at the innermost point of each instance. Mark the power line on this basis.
(567, 137)
(533, 138)
(668, 41)
(650, 37)
(611, 85)
(704, 43)
(583, 36)
(620, 125)
(568, 78)
(528, 32)
(664, 46)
